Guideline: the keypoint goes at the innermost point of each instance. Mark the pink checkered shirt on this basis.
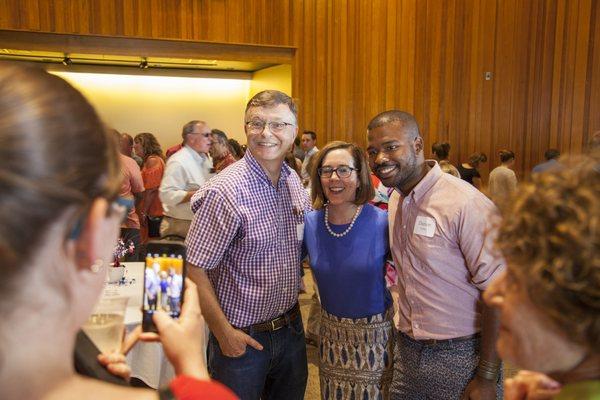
(244, 233)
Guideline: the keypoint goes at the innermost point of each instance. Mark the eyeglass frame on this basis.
(206, 135)
(264, 124)
(121, 204)
(320, 172)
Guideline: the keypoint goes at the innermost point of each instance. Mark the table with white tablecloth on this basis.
(147, 360)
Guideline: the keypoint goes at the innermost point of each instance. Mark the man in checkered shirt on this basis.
(244, 249)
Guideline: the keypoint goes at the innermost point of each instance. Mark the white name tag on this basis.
(300, 232)
(424, 226)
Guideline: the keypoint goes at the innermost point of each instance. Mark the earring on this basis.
(97, 265)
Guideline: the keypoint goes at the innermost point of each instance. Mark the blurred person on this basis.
(448, 168)
(59, 221)
(173, 149)
(220, 151)
(150, 208)
(503, 180)
(441, 238)
(244, 250)
(152, 286)
(186, 171)
(549, 296)
(347, 243)
(174, 288)
(551, 156)
(594, 142)
(468, 171)
(132, 188)
(126, 148)
(309, 147)
(236, 149)
(293, 162)
(163, 289)
(298, 152)
(441, 152)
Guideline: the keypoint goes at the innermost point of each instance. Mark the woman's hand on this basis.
(182, 339)
(529, 385)
(115, 362)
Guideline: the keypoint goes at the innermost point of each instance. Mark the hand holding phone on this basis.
(182, 339)
(164, 280)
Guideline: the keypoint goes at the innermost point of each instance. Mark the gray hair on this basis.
(189, 127)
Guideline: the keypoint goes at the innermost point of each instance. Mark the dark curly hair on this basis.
(550, 237)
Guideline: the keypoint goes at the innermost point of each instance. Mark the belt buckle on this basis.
(273, 328)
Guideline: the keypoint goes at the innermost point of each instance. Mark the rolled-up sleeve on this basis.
(172, 188)
(477, 234)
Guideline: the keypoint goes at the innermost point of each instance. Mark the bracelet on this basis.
(488, 370)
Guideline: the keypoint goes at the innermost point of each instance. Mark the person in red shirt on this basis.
(220, 151)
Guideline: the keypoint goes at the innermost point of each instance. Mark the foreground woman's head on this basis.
(58, 177)
(549, 297)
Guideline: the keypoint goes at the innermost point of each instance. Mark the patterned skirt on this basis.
(355, 357)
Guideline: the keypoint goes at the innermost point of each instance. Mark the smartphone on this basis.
(164, 280)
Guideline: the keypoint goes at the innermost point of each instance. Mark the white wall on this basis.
(162, 105)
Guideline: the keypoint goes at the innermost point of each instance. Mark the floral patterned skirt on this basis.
(355, 356)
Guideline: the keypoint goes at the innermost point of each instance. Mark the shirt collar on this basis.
(426, 183)
(201, 156)
(261, 174)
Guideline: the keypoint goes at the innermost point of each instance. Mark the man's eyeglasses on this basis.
(343, 171)
(206, 135)
(259, 126)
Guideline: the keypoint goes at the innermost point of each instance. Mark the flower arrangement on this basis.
(121, 250)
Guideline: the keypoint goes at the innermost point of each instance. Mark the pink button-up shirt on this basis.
(441, 239)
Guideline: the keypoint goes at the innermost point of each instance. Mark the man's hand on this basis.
(233, 343)
(529, 385)
(480, 389)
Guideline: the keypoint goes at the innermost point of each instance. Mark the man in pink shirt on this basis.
(131, 185)
(441, 238)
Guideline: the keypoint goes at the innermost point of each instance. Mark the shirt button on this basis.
(417, 326)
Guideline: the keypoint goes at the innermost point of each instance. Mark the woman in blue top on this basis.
(347, 243)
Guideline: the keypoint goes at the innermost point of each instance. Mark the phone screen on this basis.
(164, 277)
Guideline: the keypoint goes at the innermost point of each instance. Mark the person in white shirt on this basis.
(175, 285)
(309, 146)
(185, 172)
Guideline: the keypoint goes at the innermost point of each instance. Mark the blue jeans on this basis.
(279, 371)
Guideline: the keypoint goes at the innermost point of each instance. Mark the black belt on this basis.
(275, 323)
(438, 342)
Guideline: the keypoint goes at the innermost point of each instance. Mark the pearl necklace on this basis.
(339, 235)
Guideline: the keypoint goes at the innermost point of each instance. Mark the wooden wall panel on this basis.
(429, 58)
(232, 21)
(356, 58)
